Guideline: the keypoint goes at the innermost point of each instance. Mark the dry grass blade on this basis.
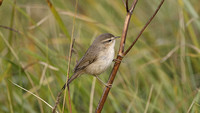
(21, 64)
(149, 98)
(92, 95)
(43, 74)
(70, 55)
(33, 95)
(188, 111)
(9, 98)
(194, 47)
(58, 19)
(193, 102)
(49, 66)
(169, 54)
(39, 23)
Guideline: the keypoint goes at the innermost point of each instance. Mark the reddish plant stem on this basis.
(116, 65)
(121, 52)
(107, 89)
(70, 106)
(123, 37)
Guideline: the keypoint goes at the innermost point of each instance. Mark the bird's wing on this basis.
(89, 57)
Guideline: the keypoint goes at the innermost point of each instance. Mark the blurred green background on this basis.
(161, 74)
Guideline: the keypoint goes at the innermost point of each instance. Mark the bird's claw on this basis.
(108, 85)
(117, 60)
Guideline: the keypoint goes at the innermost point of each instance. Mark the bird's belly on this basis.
(101, 64)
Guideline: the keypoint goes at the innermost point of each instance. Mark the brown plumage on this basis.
(97, 58)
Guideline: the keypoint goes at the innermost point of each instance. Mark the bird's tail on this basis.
(75, 75)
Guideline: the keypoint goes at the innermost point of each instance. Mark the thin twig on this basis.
(1, 1)
(125, 30)
(123, 37)
(127, 9)
(133, 6)
(9, 28)
(124, 3)
(148, 22)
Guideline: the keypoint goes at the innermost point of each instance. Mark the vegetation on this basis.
(159, 75)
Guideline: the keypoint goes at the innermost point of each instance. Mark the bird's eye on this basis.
(109, 40)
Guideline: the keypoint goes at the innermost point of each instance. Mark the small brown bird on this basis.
(97, 58)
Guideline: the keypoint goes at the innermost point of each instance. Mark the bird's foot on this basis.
(108, 85)
(117, 60)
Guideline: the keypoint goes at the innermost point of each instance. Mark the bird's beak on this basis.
(117, 37)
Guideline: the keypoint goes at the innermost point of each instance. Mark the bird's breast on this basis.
(102, 62)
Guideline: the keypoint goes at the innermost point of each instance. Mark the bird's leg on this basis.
(107, 85)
